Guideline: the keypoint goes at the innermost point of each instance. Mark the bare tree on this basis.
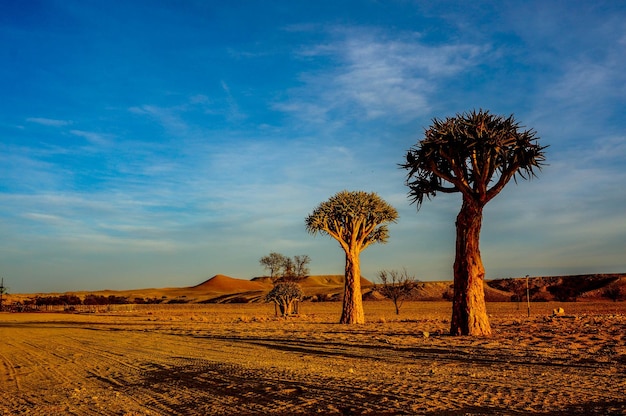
(397, 286)
(475, 154)
(355, 220)
(301, 266)
(288, 272)
(273, 262)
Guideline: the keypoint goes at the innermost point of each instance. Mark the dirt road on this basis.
(240, 360)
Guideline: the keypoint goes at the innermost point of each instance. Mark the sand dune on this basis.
(226, 284)
(330, 280)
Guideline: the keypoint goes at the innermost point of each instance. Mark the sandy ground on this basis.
(240, 359)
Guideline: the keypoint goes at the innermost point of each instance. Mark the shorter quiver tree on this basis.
(356, 220)
(285, 295)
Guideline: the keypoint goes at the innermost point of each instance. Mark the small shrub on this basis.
(614, 293)
(564, 293)
(285, 295)
(237, 299)
(177, 301)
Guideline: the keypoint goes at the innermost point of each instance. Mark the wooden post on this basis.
(527, 296)
(2, 292)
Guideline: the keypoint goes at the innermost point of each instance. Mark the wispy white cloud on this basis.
(168, 118)
(94, 138)
(583, 88)
(376, 76)
(24, 169)
(49, 121)
(234, 112)
(46, 218)
(570, 218)
(590, 87)
(90, 223)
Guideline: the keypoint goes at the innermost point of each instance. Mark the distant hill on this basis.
(222, 283)
(224, 289)
(562, 288)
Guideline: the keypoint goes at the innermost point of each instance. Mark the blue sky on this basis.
(158, 143)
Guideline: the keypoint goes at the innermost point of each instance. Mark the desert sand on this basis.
(241, 359)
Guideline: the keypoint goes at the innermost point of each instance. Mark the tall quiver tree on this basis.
(476, 154)
(356, 220)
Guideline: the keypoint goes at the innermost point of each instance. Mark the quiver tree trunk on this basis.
(287, 307)
(352, 312)
(469, 313)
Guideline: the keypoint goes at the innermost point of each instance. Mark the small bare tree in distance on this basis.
(283, 268)
(397, 286)
(288, 273)
(301, 266)
(273, 262)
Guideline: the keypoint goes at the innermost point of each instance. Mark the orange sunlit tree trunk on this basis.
(475, 154)
(356, 220)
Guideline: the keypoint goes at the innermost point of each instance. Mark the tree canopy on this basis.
(475, 153)
(355, 219)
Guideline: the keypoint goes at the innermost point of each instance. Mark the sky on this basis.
(154, 143)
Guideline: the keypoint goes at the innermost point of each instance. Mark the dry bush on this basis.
(397, 286)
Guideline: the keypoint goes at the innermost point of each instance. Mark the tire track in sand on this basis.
(9, 378)
(123, 368)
